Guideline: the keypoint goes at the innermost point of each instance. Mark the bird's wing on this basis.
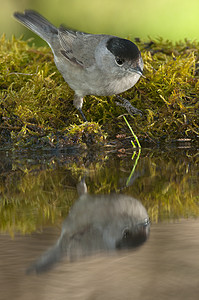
(78, 47)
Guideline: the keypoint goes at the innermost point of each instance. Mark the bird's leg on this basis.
(78, 102)
(127, 105)
(82, 114)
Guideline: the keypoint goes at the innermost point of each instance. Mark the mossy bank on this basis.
(36, 107)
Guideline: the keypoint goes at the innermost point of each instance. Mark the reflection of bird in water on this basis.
(97, 223)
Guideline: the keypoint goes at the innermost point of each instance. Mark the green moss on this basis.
(36, 105)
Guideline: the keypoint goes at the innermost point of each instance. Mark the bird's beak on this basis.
(137, 70)
(146, 222)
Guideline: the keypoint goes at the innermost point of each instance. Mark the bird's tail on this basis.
(47, 260)
(38, 24)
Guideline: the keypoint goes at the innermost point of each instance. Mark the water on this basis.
(38, 191)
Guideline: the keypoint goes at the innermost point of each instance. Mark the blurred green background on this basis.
(171, 19)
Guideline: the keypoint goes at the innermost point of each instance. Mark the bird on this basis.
(97, 224)
(91, 64)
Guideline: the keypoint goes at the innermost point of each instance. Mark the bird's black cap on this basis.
(123, 48)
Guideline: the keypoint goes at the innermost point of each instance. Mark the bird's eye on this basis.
(126, 233)
(119, 61)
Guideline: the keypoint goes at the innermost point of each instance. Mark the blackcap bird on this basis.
(95, 224)
(91, 64)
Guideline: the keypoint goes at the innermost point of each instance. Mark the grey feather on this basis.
(37, 24)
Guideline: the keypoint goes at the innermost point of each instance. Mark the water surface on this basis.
(39, 190)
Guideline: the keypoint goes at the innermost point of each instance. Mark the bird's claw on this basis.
(127, 105)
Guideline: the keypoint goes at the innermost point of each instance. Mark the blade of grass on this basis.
(134, 166)
(134, 135)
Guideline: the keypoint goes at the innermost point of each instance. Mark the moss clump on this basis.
(171, 89)
(36, 104)
(89, 133)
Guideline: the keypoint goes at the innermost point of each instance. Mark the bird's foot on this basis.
(127, 105)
